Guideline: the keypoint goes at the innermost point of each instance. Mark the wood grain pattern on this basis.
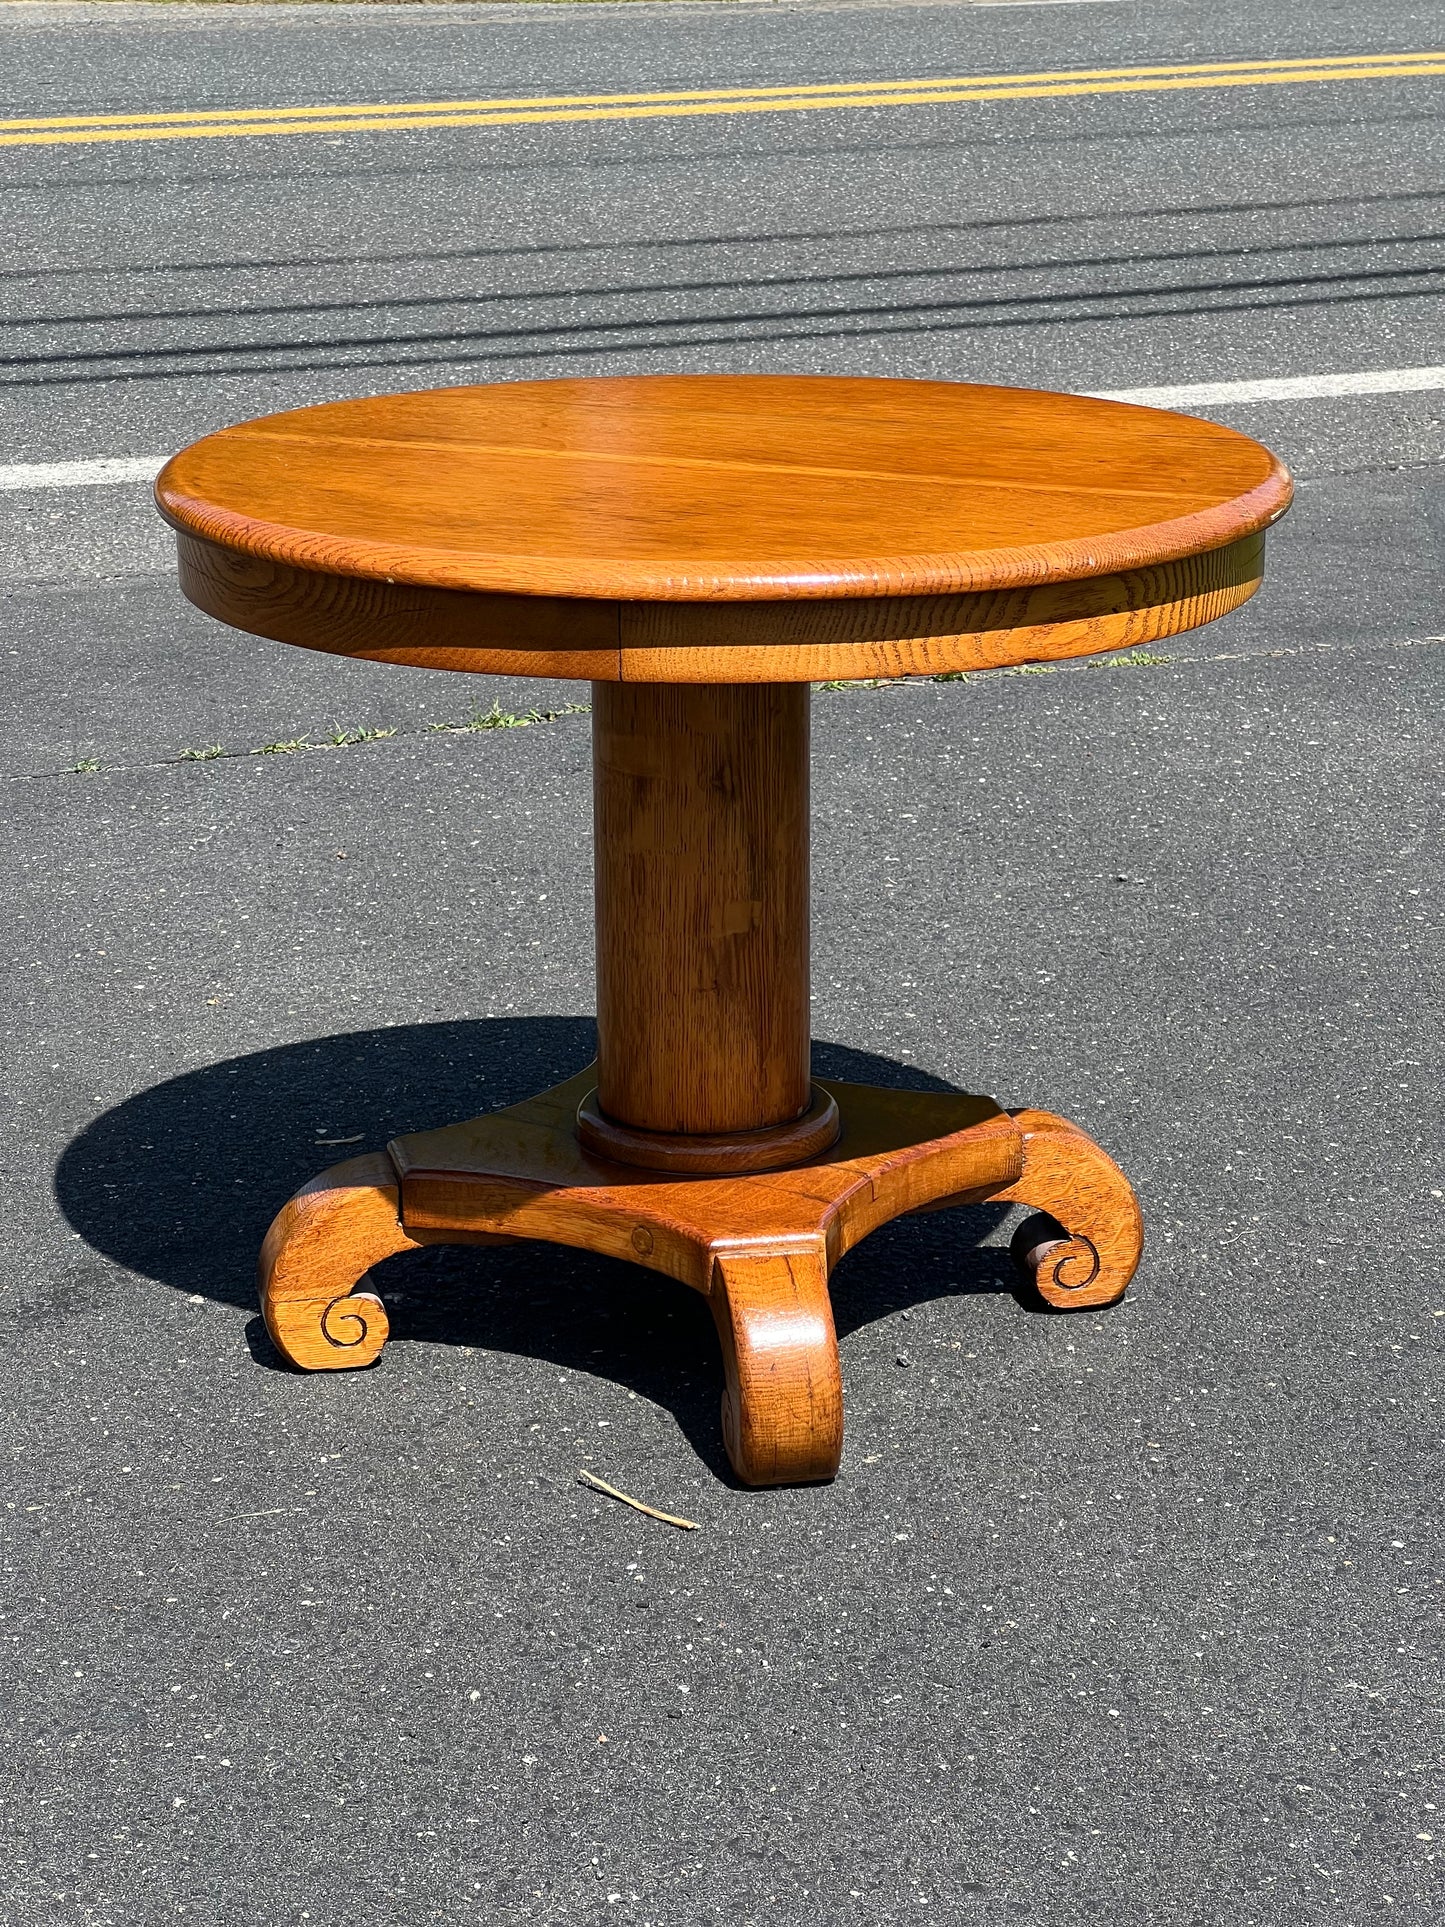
(523, 1173)
(700, 830)
(1084, 1248)
(421, 627)
(316, 1296)
(853, 638)
(707, 1153)
(760, 1247)
(1070, 1178)
(658, 535)
(782, 1405)
(735, 642)
(707, 487)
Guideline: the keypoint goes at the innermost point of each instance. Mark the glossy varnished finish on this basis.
(315, 1263)
(700, 825)
(701, 548)
(677, 528)
(854, 637)
(759, 1247)
(718, 642)
(767, 1147)
(403, 623)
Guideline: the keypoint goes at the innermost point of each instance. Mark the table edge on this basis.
(791, 639)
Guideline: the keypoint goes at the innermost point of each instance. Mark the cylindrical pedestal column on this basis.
(701, 836)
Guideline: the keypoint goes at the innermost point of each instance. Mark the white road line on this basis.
(109, 468)
(1206, 394)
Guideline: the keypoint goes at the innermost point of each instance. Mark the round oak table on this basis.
(702, 549)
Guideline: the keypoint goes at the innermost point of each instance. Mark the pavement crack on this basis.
(497, 718)
(1133, 659)
(479, 722)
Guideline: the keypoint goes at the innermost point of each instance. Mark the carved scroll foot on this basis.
(783, 1403)
(1084, 1244)
(315, 1284)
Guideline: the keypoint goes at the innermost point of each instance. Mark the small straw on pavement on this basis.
(667, 1518)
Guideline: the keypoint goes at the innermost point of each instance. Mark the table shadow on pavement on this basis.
(179, 1183)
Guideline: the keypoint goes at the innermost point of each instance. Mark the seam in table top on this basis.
(742, 465)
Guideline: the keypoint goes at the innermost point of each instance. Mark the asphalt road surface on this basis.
(1131, 1616)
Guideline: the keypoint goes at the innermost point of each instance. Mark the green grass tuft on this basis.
(498, 718)
(347, 738)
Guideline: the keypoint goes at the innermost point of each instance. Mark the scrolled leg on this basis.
(315, 1265)
(783, 1402)
(1084, 1244)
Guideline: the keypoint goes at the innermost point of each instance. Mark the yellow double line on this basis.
(372, 117)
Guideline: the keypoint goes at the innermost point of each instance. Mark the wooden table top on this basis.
(698, 489)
